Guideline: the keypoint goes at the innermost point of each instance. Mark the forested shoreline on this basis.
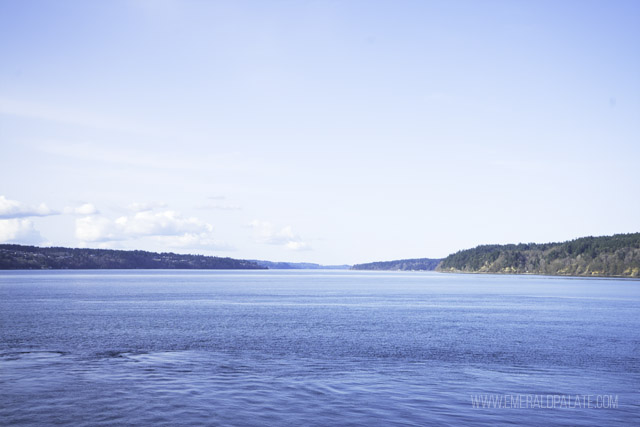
(606, 256)
(20, 257)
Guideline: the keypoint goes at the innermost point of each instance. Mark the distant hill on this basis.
(19, 257)
(298, 266)
(616, 256)
(423, 264)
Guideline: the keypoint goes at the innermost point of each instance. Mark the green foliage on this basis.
(403, 264)
(617, 255)
(18, 257)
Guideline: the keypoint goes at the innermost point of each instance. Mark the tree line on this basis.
(617, 255)
(20, 257)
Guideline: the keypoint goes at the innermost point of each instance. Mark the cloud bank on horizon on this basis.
(147, 222)
(330, 132)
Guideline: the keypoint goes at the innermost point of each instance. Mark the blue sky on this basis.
(322, 131)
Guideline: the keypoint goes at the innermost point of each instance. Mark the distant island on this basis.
(416, 264)
(19, 257)
(613, 256)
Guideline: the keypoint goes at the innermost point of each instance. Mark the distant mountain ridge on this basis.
(271, 265)
(20, 257)
(606, 256)
(415, 264)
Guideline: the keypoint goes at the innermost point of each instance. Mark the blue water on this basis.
(314, 348)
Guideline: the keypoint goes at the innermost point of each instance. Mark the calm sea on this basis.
(317, 348)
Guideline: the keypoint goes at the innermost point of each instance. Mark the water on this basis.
(315, 348)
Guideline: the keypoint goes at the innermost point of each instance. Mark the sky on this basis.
(335, 132)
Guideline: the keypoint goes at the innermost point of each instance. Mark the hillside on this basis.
(616, 256)
(423, 264)
(19, 257)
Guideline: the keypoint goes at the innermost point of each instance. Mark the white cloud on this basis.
(219, 203)
(96, 229)
(297, 246)
(265, 232)
(167, 227)
(194, 241)
(140, 207)
(19, 231)
(165, 223)
(85, 209)
(221, 206)
(15, 209)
